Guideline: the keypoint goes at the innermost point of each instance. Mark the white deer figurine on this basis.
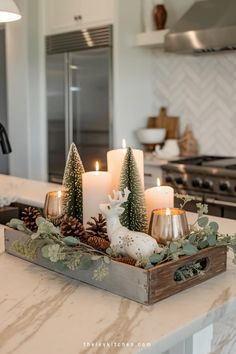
(126, 242)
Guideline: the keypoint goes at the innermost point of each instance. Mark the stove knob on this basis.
(207, 184)
(179, 180)
(169, 179)
(225, 186)
(197, 182)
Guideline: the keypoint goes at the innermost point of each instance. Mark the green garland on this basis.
(69, 252)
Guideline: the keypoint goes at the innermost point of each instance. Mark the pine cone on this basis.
(72, 227)
(98, 243)
(126, 259)
(29, 216)
(97, 227)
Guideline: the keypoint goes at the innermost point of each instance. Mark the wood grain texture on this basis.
(143, 286)
(171, 124)
(161, 278)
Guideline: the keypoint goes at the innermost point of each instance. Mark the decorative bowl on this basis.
(151, 135)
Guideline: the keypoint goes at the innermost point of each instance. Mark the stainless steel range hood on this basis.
(208, 26)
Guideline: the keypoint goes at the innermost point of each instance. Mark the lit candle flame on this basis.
(158, 182)
(123, 144)
(59, 194)
(168, 211)
(97, 166)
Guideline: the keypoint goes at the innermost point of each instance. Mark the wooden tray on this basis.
(144, 286)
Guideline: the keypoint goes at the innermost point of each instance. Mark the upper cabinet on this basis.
(68, 15)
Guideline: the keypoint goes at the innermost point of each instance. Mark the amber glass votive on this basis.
(168, 225)
(53, 206)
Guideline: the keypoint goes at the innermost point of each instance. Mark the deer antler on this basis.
(119, 197)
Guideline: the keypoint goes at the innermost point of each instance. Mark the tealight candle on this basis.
(159, 197)
(96, 188)
(115, 160)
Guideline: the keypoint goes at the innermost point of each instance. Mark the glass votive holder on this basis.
(53, 206)
(168, 225)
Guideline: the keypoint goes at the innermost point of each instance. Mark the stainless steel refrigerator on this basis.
(79, 98)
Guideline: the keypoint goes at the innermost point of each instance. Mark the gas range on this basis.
(211, 179)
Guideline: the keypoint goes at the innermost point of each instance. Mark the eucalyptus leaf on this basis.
(109, 251)
(40, 220)
(95, 257)
(203, 244)
(71, 241)
(192, 238)
(173, 247)
(46, 227)
(212, 240)
(214, 226)
(203, 221)
(175, 256)
(156, 258)
(189, 249)
(106, 260)
(19, 225)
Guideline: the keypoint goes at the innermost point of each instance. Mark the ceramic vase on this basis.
(160, 16)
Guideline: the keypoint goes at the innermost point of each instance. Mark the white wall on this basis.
(202, 92)
(132, 74)
(26, 102)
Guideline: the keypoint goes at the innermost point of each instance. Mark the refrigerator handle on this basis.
(68, 104)
(70, 100)
(67, 90)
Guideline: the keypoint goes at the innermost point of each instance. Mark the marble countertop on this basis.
(26, 191)
(43, 312)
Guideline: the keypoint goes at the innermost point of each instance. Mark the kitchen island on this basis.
(43, 312)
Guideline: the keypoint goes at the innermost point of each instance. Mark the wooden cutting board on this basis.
(171, 124)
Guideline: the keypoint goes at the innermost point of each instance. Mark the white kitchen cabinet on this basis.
(96, 12)
(69, 15)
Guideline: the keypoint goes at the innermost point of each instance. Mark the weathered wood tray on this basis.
(144, 286)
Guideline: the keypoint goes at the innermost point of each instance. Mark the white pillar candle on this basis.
(115, 159)
(160, 197)
(96, 188)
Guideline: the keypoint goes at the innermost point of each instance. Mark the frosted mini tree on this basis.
(72, 182)
(135, 215)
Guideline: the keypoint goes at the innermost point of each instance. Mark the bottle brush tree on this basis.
(134, 216)
(72, 183)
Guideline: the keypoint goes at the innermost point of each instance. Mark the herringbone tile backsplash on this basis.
(202, 92)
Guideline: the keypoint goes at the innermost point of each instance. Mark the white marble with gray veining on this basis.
(26, 191)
